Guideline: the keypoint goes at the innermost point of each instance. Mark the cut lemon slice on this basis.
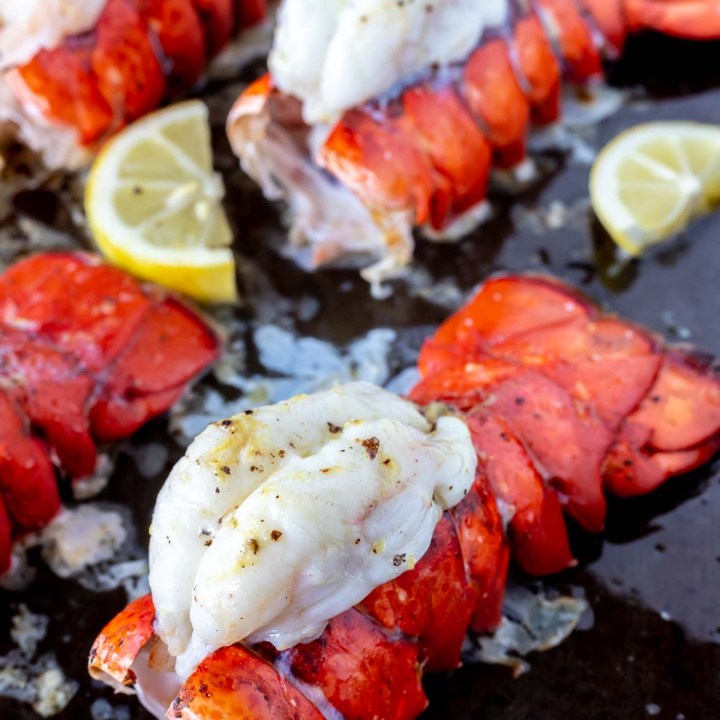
(651, 180)
(153, 204)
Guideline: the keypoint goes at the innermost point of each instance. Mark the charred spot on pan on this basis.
(372, 446)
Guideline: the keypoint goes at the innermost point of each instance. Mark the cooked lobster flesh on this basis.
(397, 116)
(563, 403)
(87, 355)
(69, 77)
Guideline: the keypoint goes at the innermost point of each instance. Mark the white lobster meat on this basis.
(335, 54)
(279, 519)
(28, 26)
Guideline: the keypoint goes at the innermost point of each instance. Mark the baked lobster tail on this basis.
(566, 403)
(87, 355)
(118, 61)
(563, 403)
(414, 148)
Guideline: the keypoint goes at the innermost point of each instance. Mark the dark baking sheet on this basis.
(653, 581)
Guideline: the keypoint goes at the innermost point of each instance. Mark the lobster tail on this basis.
(135, 54)
(626, 413)
(420, 153)
(80, 367)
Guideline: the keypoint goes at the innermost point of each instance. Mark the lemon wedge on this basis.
(651, 180)
(153, 204)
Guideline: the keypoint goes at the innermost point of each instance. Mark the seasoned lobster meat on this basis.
(392, 115)
(87, 355)
(262, 515)
(385, 478)
(71, 74)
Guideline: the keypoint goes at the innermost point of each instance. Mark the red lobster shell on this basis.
(87, 355)
(564, 403)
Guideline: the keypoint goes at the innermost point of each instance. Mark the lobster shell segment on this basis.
(53, 392)
(179, 30)
(120, 642)
(27, 479)
(235, 682)
(141, 383)
(432, 602)
(537, 534)
(93, 323)
(493, 93)
(485, 552)
(682, 409)
(361, 671)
